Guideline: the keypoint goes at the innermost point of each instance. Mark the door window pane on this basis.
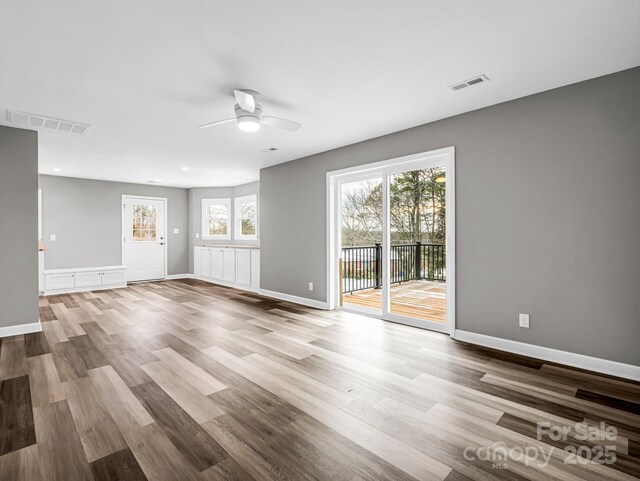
(144, 223)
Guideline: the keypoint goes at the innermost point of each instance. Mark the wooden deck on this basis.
(419, 299)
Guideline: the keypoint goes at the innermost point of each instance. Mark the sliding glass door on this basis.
(392, 241)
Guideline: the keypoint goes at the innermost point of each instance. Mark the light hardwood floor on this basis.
(184, 380)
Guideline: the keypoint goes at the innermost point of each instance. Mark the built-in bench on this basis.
(58, 281)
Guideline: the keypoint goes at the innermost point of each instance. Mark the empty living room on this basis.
(320, 241)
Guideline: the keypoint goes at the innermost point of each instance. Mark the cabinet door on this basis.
(229, 265)
(217, 264)
(110, 278)
(243, 267)
(205, 263)
(59, 281)
(255, 269)
(88, 279)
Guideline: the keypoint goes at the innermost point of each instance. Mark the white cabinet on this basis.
(55, 281)
(217, 264)
(229, 265)
(114, 277)
(236, 267)
(58, 281)
(243, 267)
(88, 279)
(204, 263)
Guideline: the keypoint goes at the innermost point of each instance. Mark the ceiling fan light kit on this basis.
(249, 121)
(249, 114)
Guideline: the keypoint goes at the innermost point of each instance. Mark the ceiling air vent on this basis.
(41, 121)
(468, 83)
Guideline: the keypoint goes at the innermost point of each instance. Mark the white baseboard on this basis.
(172, 277)
(295, 299)
(20, 329)
(614, 368)
(226, 284)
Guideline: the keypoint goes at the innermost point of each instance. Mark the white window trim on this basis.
(205, 217)
(237, 222)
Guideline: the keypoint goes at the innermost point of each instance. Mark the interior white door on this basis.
(144, 238)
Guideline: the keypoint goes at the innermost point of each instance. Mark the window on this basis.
(215, 218)
(144, 223)
(246, 218)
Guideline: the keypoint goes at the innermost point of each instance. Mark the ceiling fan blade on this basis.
(279, 123)
(217, 122)
(245, 100)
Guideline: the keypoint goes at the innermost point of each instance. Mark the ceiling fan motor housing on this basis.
(257, 113)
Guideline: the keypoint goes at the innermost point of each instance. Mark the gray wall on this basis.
(18, 226)
(195, 213)
(548, 215)
(86, 217)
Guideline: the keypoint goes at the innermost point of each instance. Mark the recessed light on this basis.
(56, 169)
(154, 181)
(185, 169)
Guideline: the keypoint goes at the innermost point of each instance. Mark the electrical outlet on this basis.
(176, 230)
(52, 237)
(310, 286)
(523, 320)
(197, 235)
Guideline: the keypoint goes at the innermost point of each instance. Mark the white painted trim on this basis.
(166, 228)
(444, 156)
(204, 222)
(180, 276)
(295, 299)
(614, 368)
(84, 269)
(7, 331)
(226, 284)
(396, 319)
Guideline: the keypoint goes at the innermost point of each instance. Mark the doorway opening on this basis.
(391, 240)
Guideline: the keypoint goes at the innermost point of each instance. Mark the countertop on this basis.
(227, 246)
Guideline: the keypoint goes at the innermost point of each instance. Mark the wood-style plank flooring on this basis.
(186, 381)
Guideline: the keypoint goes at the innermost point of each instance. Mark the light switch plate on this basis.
(176, 230)
(197, 235)
(52, 237)
(310, 286)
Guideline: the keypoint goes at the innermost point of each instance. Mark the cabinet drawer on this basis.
(113, 277)
(59, 281)
(88, 279)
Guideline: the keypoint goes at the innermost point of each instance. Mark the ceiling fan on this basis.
(249, 114)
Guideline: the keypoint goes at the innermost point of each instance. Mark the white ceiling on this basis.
(144, 74)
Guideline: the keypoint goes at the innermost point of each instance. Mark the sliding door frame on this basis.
(442, 157)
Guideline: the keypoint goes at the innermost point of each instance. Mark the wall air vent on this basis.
(43, 122)
(468, 83)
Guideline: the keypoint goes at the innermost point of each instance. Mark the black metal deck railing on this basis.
(362, 265)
